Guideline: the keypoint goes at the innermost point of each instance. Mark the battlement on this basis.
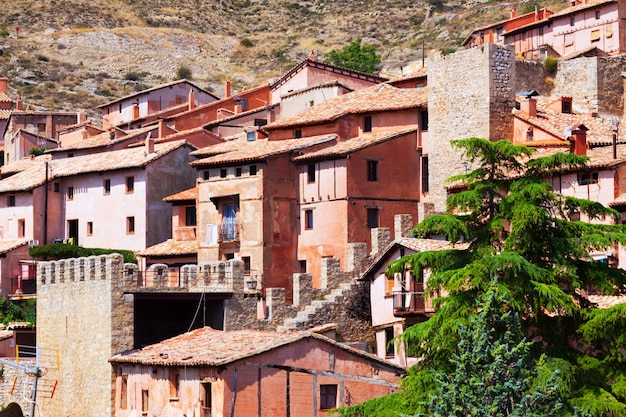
(93, 268)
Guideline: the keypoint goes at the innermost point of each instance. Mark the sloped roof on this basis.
(103, 139)
(227, 146)
(22, 164)
(9, 245)
(4, 114)
(171, 248)
(158, 87)
(245, 151)
(4, 98)
(190, 194)
(377, 98)
(35, 174)
(349, 146)
(209, 347)
(588, 4)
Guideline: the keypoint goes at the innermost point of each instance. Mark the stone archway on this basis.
(12, 410)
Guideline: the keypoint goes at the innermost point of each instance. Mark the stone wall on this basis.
(471, 94)
(532, 75)
(82, 311)
(22, 388)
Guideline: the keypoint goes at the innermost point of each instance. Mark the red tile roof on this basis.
(190, 194)
(9, 245)
(209, 347)
(104, 139)
(4, 98)
(158, 87)
(171, 248)
(588, 4)
(242, 150)
(348, 146)
(377, 98)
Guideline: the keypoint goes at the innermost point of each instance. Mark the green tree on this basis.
(355, 56)
(516, 227)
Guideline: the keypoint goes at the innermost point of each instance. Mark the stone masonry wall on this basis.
(82, 311)
(471, 94)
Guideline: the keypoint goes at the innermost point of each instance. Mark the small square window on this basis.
(130, 225)
(11, 201)
(89, 228)
(107, 186)
(252, 169)
(298, 133)
(251, 135)
(238, 172)
(572, 21)
(311, 173)
(597, 14)
(372, 217)
(223, 172)
(70, 155)
(302, 266)
(372, 170)
(41, 127)
(190, 216)
(130, 185)
(57, 188)
(206, 175)
(308, 219)
(328, 396)
(70, 193)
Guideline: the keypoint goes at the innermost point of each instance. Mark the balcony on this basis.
(185, 233)
(229, 231)
(409, 304)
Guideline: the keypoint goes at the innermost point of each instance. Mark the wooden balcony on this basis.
(409, 304)
(229, 231)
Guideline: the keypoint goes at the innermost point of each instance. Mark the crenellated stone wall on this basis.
(471, 94)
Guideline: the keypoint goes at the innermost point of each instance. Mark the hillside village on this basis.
(262, 219)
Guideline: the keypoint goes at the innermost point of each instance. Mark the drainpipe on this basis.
(45, 209)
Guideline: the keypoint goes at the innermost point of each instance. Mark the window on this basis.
(566, 106)
(308, 219)
(41, 127)
(106, 185)
(56, 187)
(190, 216)
(597, 14)
(367, 124)
(70, 155)
(70, 193)
(302, 266)
(174, 384)
(223, 173)
(251, 135)
(11, 201)
(389, 284)
(124, 392)
(595, 35)
(130, 225)
(588, 178)
(207, 402)
(130, 185)
(311, 103)
(311, 173)
(89, 228)
(229, 222)
(389, 343)
(238, 172)
(424, 119)
(145, 397)
(21, 228)
(608, 31)
(246, 264)
(425, 180)
(260, 122)
(179, 100)
(206, 175)
(328, 396)
(372, 217)
(372, 170)
(298, 133)
(252, 169)
(572, 21)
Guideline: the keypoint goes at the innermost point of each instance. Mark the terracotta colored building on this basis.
(212, 373)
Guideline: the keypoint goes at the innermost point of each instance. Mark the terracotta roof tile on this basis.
(35, 174)
(104, 139)
(377, 98)
(4, 114)
(244, 150)
(9, 245)
(4, 98)
(606, 301)
(158, 87)
(586, 5)
(190, 194)
(209, 347)
(22, 164)
(171, 248)
(227, 146)
(348, 146)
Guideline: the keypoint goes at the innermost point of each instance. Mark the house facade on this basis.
(214, 373)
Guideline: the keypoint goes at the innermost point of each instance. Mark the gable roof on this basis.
(35, 174)
(158, 87)
(377, 98)
(325, 67)
(209, 347)
(587, 4)
(171, 248)
(348, 146)
(190, 194)
(241, 150)
(8, 245)
(103, 140)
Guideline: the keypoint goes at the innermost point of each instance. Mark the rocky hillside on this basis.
(77, 54)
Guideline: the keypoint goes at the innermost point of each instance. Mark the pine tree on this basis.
(355, 56)
(517, 228)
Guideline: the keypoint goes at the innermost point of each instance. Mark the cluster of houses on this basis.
(284, 177)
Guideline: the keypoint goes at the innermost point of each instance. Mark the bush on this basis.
(43, 58)
(134, 76)
(246, 43)
(37, 151)
(56, 251)
(183, 72)
(551, 64)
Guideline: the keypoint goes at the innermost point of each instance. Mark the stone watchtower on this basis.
(471, 94)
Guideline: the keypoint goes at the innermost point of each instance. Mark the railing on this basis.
(408, 303)
(229, 231)
(215, 279)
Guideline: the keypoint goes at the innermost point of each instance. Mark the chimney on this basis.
(149, 144)
(192, 99)
(312, 56)
(226, 88)
(135, 111)
(529, 106)
(18, 104)
(513, 13)
(381, 237)
(578, 139)
(3, 84)
(81, 117)
(237, 108)
(161, 130)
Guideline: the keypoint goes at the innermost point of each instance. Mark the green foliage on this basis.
(355, 56)
(56, 251)
(25, 310)
(246, 43)
(551, 64)
(183, 72)
(517, 238)
(135, 76)
(37, 151)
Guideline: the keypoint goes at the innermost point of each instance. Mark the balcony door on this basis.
(72, 230)
(229, 222)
